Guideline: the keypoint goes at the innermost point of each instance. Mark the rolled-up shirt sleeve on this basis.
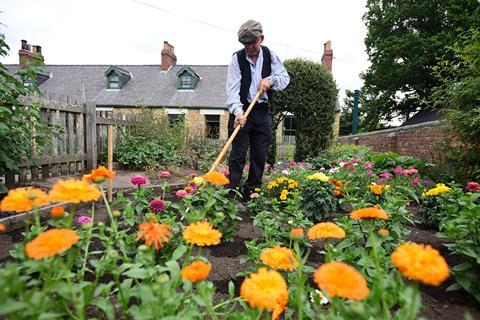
(279, 78)
(234, 77)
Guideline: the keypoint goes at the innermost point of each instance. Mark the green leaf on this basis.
(136, 273)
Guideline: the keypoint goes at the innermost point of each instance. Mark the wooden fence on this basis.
(285, 148)
(80, 139)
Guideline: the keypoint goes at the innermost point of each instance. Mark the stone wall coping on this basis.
(436, 123)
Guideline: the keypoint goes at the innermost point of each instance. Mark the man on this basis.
(253, 68)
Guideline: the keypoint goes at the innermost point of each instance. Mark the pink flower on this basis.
(356, 160)
(415, 180)
(157, 205)
(351, 169)
(138, 180)
(472, 186)
(165, 174)
(84, 219)
(409, 172)
(386, 175)
(398, 170)
(226, 172)
(254, 195)
(291, 162)
(181, 193)
(192, 175)
(369, 172)
(368, 165)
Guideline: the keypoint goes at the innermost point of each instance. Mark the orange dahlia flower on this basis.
(57, 212)
(24, 199)
(265, 289)
(279, 258)
(154, 233)
(2, 228)
(99, 175)
(75, 191)
(216, 178)
(325, 230)
(202, 234)
(50, 243)
(376, 189)
(196, 271)
(421, 263)
(369, 213)
(341, 280)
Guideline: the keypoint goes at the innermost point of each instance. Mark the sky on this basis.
(115, 32)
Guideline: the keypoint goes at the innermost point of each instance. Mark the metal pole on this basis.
(355, 112)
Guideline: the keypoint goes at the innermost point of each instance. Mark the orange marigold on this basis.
(75, 191)
(2, 228)
(325, 230)
(154, 233)
(421, 263)
(50, 243)
(24, 199)
(376, 189)
(279, 258)
(341, 280)
(265, 289)
(383, 232)
(99, 175)
(296, 233)
(202, 234)
(216, 178)
(57, 212)
(196, 271)
(369, 213)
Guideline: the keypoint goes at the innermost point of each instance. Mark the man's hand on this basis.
(239, 120)
(264, 85)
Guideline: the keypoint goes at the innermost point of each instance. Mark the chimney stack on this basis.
(28, 53)
(327, 56)
(168, 56)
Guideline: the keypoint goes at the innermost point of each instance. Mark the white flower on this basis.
(323, 299)
(341, 164)
(285, 172)
(333, 170)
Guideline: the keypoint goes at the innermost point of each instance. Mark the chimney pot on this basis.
(168, 56)
(327, 57)
(24, 44)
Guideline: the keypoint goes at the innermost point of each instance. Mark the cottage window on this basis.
(175, 119)
(114, 81)
(212, 126)
(289, 126)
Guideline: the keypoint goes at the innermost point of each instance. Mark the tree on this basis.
(310, 97)
(18, 123)
(459, 92)
(405, 41)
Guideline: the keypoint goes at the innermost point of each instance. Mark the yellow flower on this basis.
(319, 176)
(284, 194)
(272, 184)
(265, 289)
(154, 233)
(325, 230)
(279, 258)
(75, 191)
(50, 243)
(216, 178)
(198, 181)
(196, 271)
(369, 213)
(421, 263)
(341, 280)
(440, 188)
(282, 179)
(99, 175)
(24, 199)
(202, 234)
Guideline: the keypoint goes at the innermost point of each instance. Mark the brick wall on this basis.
(420, 140)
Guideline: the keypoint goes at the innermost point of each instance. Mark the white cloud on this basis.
(129, 32)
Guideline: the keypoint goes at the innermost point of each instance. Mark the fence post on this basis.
(91, 135)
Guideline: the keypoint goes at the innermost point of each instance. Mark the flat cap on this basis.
(250, 31)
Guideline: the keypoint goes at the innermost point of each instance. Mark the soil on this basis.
(438, 304)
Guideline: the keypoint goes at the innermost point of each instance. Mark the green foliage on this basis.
(318, 201)
(459, 94)
(19, 124)
(311, 97)
(463, 227)
(437, 208)
(405, 41)
(150, 142)
(203, 152)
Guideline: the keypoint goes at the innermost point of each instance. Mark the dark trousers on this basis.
(256, 133)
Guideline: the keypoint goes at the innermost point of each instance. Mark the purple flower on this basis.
(181, 193)
(138, 180)
(398, 170)
(427, 182)
(165, 174)
(368, 165)
(84, 219)
(415, 180)
(156, 205)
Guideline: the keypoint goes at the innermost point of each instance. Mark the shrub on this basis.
(318, 200)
